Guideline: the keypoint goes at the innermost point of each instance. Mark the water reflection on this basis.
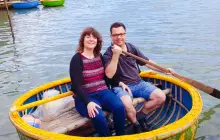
(208, 138)
(25, 11)
(4, 29)
(8, 56)
(207, 115)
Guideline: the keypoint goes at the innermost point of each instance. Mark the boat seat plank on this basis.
(70, 119)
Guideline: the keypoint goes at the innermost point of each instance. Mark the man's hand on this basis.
(170, 71)
(116, 50)
(91, 107)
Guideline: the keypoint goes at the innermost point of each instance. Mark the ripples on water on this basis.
(183, 35)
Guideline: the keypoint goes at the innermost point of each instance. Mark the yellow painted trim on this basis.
(161, 133)
(190, 118)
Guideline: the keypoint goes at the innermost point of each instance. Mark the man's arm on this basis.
(76, 76)
(169, 70)
(140, 54)
(153, 68)
(111, 67)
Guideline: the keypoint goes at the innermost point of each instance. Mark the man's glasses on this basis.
(117, 35)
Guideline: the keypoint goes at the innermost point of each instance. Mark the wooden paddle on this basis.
(205, 88)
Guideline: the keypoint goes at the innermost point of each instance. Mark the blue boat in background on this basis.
(25, 4)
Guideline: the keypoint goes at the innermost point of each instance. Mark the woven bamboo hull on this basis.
(176, 119)
(188, 134)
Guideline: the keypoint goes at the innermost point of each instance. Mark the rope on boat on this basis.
(178, 102)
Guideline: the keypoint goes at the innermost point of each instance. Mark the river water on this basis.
(183, 35)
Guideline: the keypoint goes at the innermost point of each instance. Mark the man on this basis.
(124, 68)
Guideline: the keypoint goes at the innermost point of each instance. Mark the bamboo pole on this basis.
(59, 96)
(9, 19)
(40, 102)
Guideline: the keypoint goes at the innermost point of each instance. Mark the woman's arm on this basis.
(75, 70)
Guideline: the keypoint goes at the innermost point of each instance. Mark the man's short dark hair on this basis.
(116, 25)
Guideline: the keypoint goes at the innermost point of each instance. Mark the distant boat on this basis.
(52, 3)
(25, 4)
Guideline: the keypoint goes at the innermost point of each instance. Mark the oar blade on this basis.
(216, 93)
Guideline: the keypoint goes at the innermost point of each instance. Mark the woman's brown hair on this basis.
(96, 34)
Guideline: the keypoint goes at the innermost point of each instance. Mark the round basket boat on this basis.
(177, 118)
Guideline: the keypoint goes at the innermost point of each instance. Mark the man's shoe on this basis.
(137, 128)
(145, 127)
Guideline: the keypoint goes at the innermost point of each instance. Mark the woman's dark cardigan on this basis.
(75, 70)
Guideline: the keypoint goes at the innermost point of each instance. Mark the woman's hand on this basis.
(91, 107)
(125, 87)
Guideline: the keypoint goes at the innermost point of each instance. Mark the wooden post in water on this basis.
(9, 19)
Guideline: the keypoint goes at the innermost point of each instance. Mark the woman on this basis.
(88, 83)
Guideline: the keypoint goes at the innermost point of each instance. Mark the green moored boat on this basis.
(52, 3)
